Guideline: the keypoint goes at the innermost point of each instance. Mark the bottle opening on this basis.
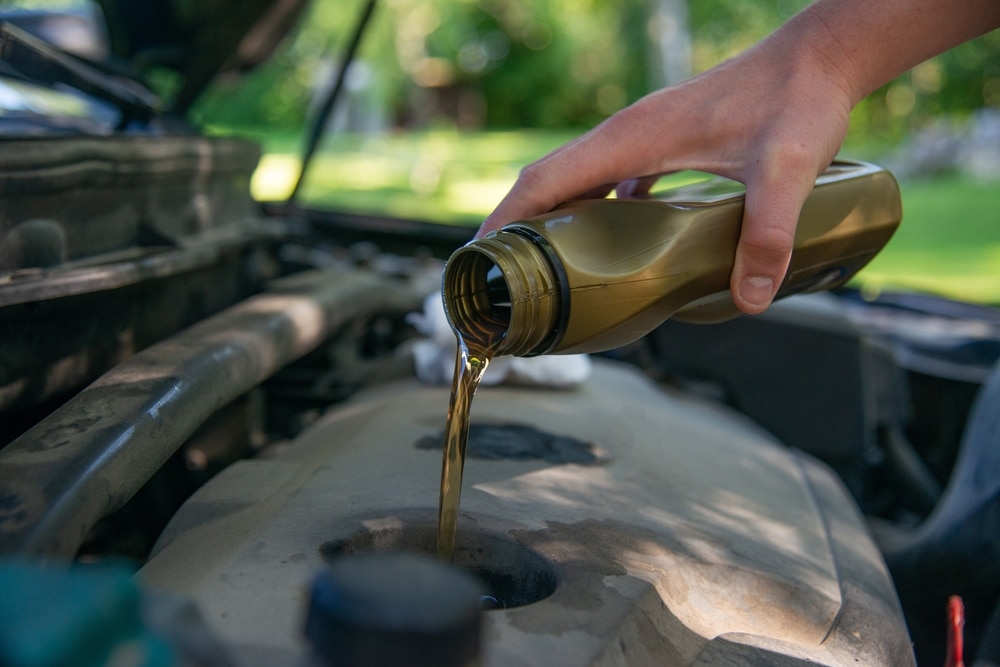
(477, 299)
(498, 296)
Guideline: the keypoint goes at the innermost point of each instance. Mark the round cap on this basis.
(394, 609)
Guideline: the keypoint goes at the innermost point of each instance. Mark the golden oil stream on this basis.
(470, 365)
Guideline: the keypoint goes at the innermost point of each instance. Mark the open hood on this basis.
(197, 39)
(102, 55)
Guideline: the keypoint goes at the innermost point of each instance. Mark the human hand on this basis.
(773, 119)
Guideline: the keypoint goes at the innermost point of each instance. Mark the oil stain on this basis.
(522, 442)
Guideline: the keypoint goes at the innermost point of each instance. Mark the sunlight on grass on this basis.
(477, 198)
(968, 275)
(442, 176)
(948, 244)
(275, 177)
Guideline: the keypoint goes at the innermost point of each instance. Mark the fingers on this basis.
(590, 166)
(541, 186)
(636, 187)
(770, 217)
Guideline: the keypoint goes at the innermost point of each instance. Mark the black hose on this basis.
(921, 489)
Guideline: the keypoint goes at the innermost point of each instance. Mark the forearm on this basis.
(867, 43)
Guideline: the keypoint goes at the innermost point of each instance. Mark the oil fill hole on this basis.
(513, 575)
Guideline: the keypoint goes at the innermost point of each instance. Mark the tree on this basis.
(562, 63)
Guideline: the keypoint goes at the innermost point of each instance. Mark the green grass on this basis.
(443, 176)
(948, 244)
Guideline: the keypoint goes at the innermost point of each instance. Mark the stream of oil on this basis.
(470, 364)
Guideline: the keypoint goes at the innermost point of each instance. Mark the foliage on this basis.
(555, 63)
(492, 63)
(279, 93)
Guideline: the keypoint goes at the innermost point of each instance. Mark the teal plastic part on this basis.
(77, 616)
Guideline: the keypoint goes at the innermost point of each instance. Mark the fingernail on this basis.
(756, 291)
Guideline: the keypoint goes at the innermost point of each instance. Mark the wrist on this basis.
(810, 47)
(862, 45)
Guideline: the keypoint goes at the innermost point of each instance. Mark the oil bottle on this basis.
(596, 274)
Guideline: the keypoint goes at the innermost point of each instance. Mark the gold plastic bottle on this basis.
(597, 274)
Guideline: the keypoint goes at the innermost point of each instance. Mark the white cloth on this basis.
(434, 357)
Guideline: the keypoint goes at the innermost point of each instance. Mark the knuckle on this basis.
(791, 156)
(531, 178)
(767, 244)
(532, 188)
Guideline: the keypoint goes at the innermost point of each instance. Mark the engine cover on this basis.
(639, 526)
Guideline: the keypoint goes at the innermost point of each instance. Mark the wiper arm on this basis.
(316, 131)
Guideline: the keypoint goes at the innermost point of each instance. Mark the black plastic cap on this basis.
(394, 609)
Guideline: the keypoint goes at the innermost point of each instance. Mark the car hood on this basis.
(198, 40)
(103, 49)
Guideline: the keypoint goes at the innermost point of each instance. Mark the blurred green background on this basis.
(449, 99)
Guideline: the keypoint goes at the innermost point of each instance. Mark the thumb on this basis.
(770, 216)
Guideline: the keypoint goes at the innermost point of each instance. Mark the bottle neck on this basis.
(502, 295)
